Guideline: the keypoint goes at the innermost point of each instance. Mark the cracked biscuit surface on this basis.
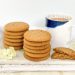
(63, 53)
(64, 50)
(61, 56)
(37, 36)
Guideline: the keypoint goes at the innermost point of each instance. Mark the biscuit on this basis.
(13, 44)
(15, 47)
(36, 59)
(36, 47)
(37, 36)
(14, 33)
(36, 43)
(13, 40)
(61, 56)
(37, 51)
(16, 26)
(36, 55)
(13, 37)
(67, 51)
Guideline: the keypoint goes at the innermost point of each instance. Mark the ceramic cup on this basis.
(60, 29)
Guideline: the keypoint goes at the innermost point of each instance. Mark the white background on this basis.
(34, 11)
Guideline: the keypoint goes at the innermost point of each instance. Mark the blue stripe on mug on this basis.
(54, 23)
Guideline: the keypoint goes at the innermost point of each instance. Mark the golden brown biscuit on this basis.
(13, 44)
(13, 40)
(37, 55)
(61, 56)
(14, 33)
(36, 43)
(15, 47)
(13, 37)
(36, 59)
(16, 26)
(37, 36)
(67, 51)
(36, 47)
(37, 51)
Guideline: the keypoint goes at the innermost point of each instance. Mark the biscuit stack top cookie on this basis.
(37, 45)
(16, 27)
(37, 36)
(13, 34)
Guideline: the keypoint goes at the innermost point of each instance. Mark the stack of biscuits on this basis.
(13, 34)
(63, 53)
(37, 45)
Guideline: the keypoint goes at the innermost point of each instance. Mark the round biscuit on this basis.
(13, 40)
(36, 59)
(16, 26)
(12, 44)
(14, 33)
(13, 37)
(36, 55)
(36, 47)
(36, 43)
(37, 35)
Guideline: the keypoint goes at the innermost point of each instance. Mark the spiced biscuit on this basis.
(37, 51)
(13, 40)
(37, 36)
(13, 44)
(36, 59)
(63, 50)
(61, 56)
(37, 55)
(14, 33)
(36, 47)
(16, 27)
(36, 43)
(15, 47)
(13, 37)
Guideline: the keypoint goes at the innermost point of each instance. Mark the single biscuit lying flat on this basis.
(12, 44)
(37, 36)
(37, 51)
(13, 37)
(13, 40)
(16, 26)
(14, 33)
(36, 59)
(61, 56)
(63, 50)
(36, 43)
(36, 48)
(37, 55)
